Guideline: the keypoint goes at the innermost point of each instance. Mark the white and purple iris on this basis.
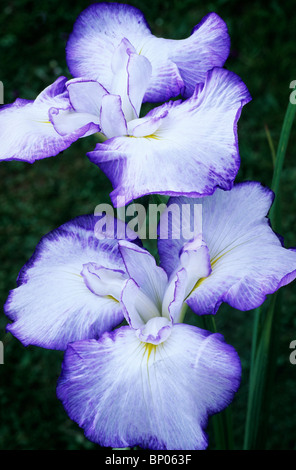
(183, 147)
(155, 381)
(133, 372)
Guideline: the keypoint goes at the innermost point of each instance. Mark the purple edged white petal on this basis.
(142, 268)
(131, 76)
(155, 331)
(86, 95)
(139, 73)
(69, 290)
(138, 307)
(124, 392)
(112, 119)
(248, 260)
(143, 315)
(67, 123)
(175, 294)
(26, 129)
(195, 259)
(193, 265)
(177, 65)
(193, 151)
(96, 35)
(207, 47)
(102, 281)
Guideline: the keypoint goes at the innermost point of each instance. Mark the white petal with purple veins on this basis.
(248, 260)
(142, 268)
(177, 65)
(26, 130)
(193, 150)
(124, 392)
(58, 298)
(86, 95)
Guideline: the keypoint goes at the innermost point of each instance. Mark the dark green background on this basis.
(35, 199)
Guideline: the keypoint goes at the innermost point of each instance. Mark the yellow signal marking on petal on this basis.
(151, 136)
(202, 279)
(148, 348)
(214, 261)
(42, 122)
(111, 298)
(198, 284)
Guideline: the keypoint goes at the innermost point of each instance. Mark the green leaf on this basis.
(263, 357)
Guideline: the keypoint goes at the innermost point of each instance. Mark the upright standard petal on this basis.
(124, 392)
(69, 290)
(248, 260)
(142, 268)
(192, 151)
(97, 34)
(177, 65)
(27, 132)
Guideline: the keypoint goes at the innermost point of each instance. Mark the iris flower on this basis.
(93, 50)
(156, 356)
(187, 147)
(71, 287)
(119, 64)
(154, 381)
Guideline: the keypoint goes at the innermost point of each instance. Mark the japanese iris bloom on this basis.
(172, 376)
(66, 291)
(92, 52)
(154, 382)
(187, 147)
(178, 137)
(116, 384)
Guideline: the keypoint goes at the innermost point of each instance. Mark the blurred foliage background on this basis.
(35, 199)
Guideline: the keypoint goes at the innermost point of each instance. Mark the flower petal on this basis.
(86, 95)
(96, 35)
(247, 258)
(139, 74)
(104, 281)
(54, 303)
(143, 315)
(119, 85)
(138, 307)
(173, 300)
(177, 65)
(69, 122)
(112, 119)
(26, 131)
(142, 268)
(207, 47)
(194, 264)
(193, 151)
(155, 331)
(124, 392)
